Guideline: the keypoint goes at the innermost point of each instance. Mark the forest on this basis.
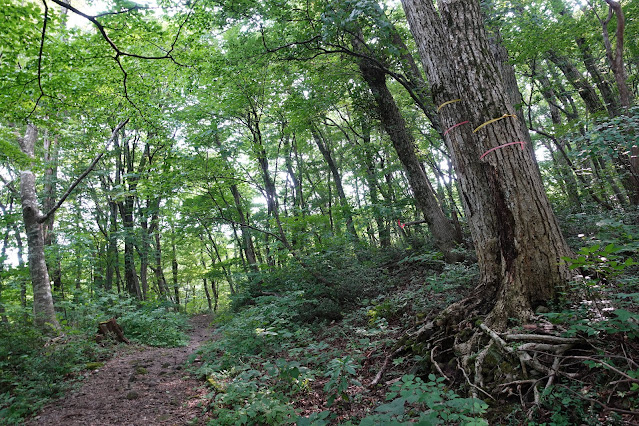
(319, 212)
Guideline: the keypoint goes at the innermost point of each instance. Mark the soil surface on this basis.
(141, 385)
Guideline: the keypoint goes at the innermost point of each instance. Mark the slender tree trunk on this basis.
(563, 168)
(247, 240)
(337, 178)
(612, 104)
(205, 284)
(112, 246)
(21, 263)
(3, 256)
(516, 235)
(158, 270)
(174, 270)
(43, 310)
(383, 230)
(444, 233)
(143, 253)
(51, 149)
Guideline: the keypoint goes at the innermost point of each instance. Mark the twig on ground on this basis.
(544, 338)
(432, 360)
(604, 406)
(472, 385)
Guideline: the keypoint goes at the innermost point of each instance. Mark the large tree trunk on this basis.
(43, 310)
(444, 233)
(615, 57)
(518, 241)
(576, 79)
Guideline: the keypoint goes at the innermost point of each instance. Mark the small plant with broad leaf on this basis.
(341, 374)
(429, 403)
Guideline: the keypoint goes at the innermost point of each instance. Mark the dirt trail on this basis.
(141, 386)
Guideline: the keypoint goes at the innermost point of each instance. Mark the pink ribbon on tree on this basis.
(501, 146)
(452, 127)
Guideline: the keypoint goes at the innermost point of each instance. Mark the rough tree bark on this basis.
(615, 57)
(516, 235)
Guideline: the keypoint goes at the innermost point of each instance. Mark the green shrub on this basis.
(34, 370)
(428, 403)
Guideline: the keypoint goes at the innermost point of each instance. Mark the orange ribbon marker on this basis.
(501, 146)
(452, 127)
(446, 103)
(493, 120)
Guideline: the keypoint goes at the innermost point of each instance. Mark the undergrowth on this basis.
(282, 360)
(294, 351)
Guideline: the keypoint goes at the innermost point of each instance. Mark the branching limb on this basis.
(10, 187)
(42, 36)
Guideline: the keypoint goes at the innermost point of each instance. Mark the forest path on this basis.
(140, 386)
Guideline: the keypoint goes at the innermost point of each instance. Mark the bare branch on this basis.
(79, 179)
(44, 32)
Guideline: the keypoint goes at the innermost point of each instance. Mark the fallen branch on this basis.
(606, 365)
(544, 338)
(381, 371)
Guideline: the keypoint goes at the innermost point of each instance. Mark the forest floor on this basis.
(140, 385)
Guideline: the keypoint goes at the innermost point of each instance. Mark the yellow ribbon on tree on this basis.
(493, 120)
(446, 103)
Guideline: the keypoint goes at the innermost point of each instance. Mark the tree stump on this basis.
(112, 329)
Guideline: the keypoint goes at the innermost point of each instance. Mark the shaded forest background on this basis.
(288, 165)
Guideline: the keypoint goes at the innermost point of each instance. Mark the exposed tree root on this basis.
(498, 364)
